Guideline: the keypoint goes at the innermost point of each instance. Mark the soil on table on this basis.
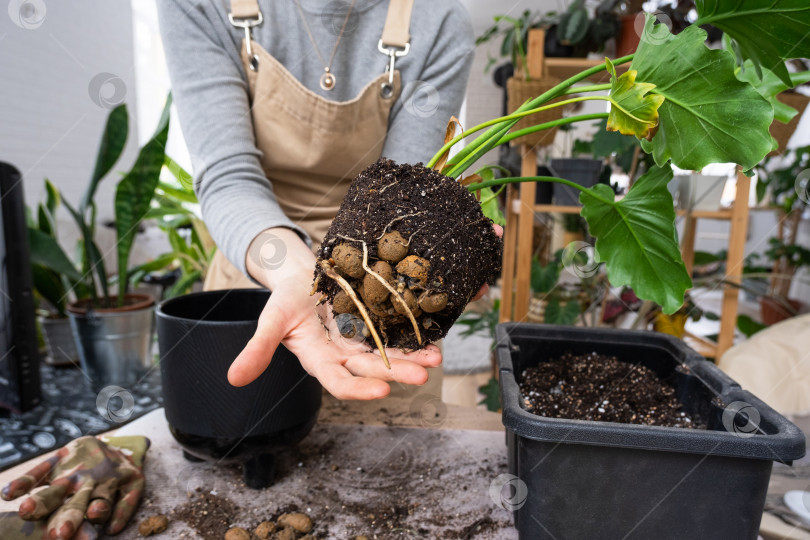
(602, 388)
(440, 221)
(210, 515)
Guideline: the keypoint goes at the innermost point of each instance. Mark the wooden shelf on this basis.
(708, 214)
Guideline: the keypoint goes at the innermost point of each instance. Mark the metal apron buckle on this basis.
(247, 24)
(387, 87)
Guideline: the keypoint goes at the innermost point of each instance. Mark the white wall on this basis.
(63, 66)
(53, 100)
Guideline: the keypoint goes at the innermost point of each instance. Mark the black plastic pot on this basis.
(587, 479)
(582, 171)
(199, 336)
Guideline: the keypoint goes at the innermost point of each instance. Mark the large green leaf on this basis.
(47, 252)
(135, 191)
(769, 86)
(112, 144)
(633, 110)
(708, 116)
(637, 240)
(766, 31)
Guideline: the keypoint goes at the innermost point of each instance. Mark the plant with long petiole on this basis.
(687, 107)
(682, 100)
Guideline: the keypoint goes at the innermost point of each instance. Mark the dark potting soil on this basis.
(445, 225)
(209, 515)
(596, 387)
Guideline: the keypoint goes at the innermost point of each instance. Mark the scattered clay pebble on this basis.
(343, 304)
(298, 521)
(265, 529)
(432, 302)
(375, 292)
(287, 533)
(415, 268)
(334, 468)
(410, 301)
(349, 259)
(361, 538)
(237, 533)
(392, 247)
(153, 525)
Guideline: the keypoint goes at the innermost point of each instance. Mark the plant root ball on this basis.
(416, 268)
(432, 302)
(349, 260)
(451, 251)
(392, 247)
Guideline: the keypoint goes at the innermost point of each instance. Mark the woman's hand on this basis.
(282, 262)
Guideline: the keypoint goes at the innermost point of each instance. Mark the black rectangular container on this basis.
(598, 480)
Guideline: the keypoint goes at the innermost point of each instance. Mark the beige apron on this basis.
(313, 147)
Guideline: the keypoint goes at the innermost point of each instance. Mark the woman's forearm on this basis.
(277, 255)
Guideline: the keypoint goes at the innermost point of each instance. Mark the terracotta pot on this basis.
(783, 132)
(773, 311)
(628, 39)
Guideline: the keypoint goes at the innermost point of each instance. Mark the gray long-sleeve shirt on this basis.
(210, 91)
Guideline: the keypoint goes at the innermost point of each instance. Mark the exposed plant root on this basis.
(393, 291)
(385, 230)
(330, 272)
(315, 286)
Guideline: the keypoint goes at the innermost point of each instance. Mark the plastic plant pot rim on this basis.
(161, 313)
(785, 445)
(81, 308)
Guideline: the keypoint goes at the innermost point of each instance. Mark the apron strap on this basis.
(246, 14)
(396, 32)
(396, 39)
(245, 9)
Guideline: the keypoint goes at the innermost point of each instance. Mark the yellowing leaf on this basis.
(449, 133)
(633, 110)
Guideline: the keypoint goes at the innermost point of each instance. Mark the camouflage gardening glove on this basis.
(89, 472)
(13, 527)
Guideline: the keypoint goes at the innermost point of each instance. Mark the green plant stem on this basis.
(461, 162)
(494, 195)
(591, 88)
(539, 127)
(513, 116)
(519, 179)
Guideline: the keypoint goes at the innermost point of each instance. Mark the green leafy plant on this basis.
(685, 105)
(54, 274)
(574, 27)
(133, 198)
(481, 321)
(176, 210)
(788, 259)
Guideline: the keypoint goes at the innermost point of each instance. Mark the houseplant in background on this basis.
(788, 259)
(176, 211)
(782, 181)
(54, 276)
(114, 330)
